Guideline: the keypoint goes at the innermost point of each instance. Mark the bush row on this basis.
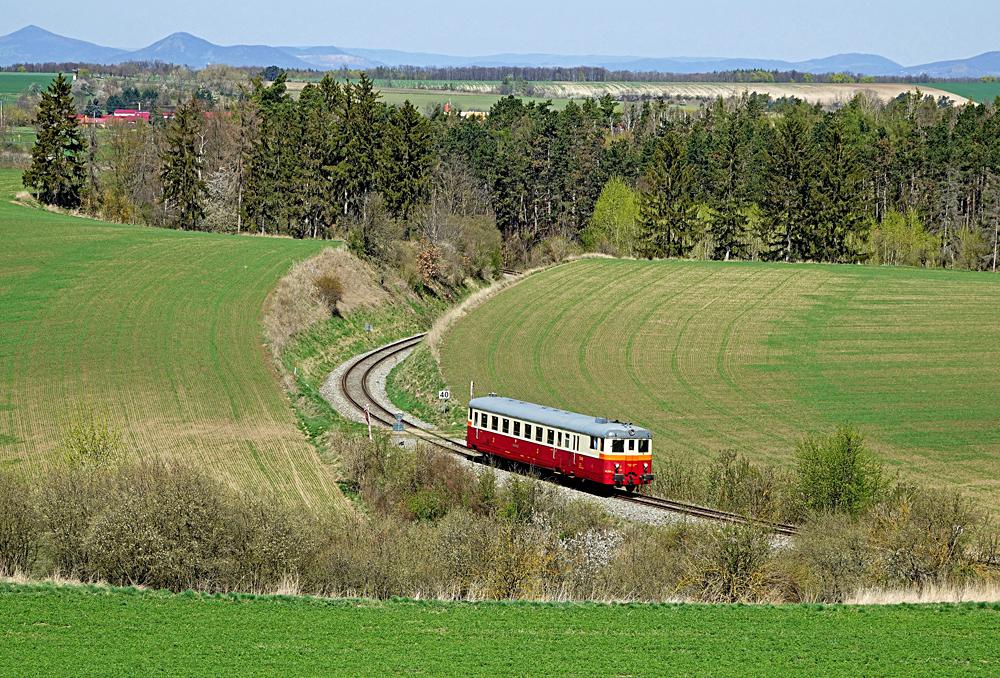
(426, 525)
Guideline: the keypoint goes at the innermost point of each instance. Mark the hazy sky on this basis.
(909, 31)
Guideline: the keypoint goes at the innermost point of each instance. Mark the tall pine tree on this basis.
(184, 190)
(58, 172)
(666, 214)
(406, 157)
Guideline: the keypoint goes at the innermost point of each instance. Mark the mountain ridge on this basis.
(33, 44)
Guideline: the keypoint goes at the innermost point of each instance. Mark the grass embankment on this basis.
(89, 631)
(413, 386)
(747, 356)
(315, 353)
(157, 331)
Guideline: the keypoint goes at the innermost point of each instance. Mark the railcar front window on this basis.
(617, 445)
(644, 446)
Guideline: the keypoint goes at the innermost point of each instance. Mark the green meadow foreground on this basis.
(88, 631)
(158, 331)
(714, 356)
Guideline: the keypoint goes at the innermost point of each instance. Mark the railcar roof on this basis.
(550, 416)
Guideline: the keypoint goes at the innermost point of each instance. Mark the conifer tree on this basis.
(666, 213)
(791, 193)
(184, 189)
(57, 173)
(364, 125)
(406, 161)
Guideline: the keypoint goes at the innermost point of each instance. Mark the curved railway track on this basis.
(355, 388)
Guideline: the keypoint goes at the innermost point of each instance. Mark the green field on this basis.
(459, 100)
(746, 356)
(980, 92)
(157, 330)
(13, 85)
(88, 631)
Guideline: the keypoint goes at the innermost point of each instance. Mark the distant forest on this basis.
(912, 181)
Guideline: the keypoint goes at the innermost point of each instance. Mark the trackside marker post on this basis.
(368, 420)
(472, 388)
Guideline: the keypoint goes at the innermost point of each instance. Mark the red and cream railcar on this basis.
(606, 452)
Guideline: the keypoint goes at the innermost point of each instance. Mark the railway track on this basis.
(355, 388)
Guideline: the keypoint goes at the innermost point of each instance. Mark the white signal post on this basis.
(368, 420)
(472, 385)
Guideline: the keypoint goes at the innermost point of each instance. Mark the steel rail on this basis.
(368, 363)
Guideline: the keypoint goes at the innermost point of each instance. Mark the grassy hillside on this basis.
(159, 331)
(79, 631)
(714, 356)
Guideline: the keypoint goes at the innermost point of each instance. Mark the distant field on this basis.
(13, 85)
(157, 330)
(79, 631)
(564, 91)
(980, 92)
(714, 356)
(425, 99)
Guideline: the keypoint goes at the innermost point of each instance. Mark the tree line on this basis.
(601, 74)
(910, 181)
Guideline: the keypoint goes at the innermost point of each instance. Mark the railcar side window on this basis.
(551, 436)
(538, 433)
(617, 445)
(506, 425)
(527, 431)
(517, 428)
(593, 443)
(644, 446)
(495, 426)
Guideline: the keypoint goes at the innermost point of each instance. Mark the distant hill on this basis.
(329, 57)
(32, 44)
(974, 67)
(35, 45)
(195, 52)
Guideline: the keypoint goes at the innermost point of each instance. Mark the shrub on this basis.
(330, 290)
(830, 559)
(736, 484)
(922, 537)
(731, 565)
(90, 442)
(837, 473)
(20, 527)
(614, 225)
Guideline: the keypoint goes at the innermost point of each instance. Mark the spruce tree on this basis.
(57, 173)
(406, 161)
(364, 125)
(791, 195)
(184, 190)
(666, 213)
